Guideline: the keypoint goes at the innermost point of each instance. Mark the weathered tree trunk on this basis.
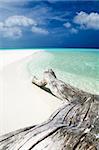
(74, 126)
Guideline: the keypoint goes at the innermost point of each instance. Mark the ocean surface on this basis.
(78, 68)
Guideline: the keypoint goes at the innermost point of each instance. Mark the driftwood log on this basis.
(74, 126)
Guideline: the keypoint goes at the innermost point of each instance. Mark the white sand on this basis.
(10, 56)
(21, 103)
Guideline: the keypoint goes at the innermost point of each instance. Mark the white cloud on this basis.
(87, 21)
(70, 28)
(73, 30)
(14, 32)
(19, 21)
(67, 25)
(12, 26)
(39, 30)
(58, 18)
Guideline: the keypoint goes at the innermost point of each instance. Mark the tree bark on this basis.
(74, 126)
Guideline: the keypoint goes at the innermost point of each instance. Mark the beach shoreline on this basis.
(10, 56)
(22, 103)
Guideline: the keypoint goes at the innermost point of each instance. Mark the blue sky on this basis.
(49, 23)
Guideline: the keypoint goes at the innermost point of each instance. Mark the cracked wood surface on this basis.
(74, 126)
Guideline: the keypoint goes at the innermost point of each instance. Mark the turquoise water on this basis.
(79, 68)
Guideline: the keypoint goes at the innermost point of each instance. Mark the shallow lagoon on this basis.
(79, 68)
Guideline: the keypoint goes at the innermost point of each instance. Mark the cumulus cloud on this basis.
(13, 26)
(19, 21)
(14, 32)
(70, 27)
(39, 30)
(67, 24)
(73, 30)
(84, 20)
(87, 21)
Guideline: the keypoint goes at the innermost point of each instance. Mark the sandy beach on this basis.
(21, 103)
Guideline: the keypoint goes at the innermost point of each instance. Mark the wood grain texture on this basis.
(74, 126)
